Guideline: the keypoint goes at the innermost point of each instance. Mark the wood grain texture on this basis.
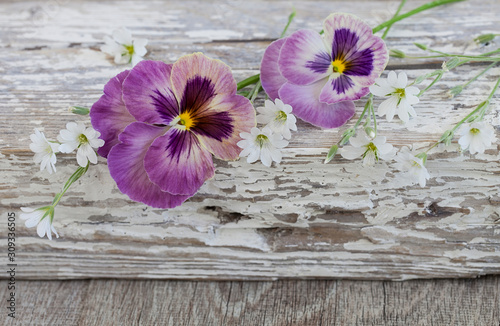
(298, 219)
(320, 302)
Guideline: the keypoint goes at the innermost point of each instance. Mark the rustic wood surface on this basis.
(459, 302)
(298, 219)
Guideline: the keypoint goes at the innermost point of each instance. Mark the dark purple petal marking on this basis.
(321, 63)
(344, 41)
(178, 143)
(165, 105)
(126, 166)
(360, 63)
(344, 48)
(197, 94)
(217, 125)
(196, 101)
(178, 163)
(341, 84)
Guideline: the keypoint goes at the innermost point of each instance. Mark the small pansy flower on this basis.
(370, 149)
(85, 139)
(278, 117)
(412, 166)
(45, 151)
(476, 136)
(123, 48)
(163, 122)
(41, 218)
(264, 145)
(401, 96)
(320, 75)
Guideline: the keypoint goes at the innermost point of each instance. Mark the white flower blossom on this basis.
(85, 139)
(264, 145)
(124, 48)
(401, 96)
(277, 116)
(412, 166)
(41, 218)
(45, 151)
(476, 136)
(370, 149)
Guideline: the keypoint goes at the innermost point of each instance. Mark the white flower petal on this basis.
(265, 157)
(351, 153)
(123, 36)
(402, 80)
(392, 79)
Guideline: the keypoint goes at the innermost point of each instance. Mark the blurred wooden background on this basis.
(300, 219)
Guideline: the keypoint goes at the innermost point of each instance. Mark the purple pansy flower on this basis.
(320, 76)
(162, 123)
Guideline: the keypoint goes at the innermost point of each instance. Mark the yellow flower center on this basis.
(281, 117)
(186, 121)
(130, 49)
(474, 131)
(261, 140)
(400, 92)
(83, 139)
(338, 66)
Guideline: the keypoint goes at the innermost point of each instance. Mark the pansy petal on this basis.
(126, 166)
(178, 163)
(342, 88)
(304, 100)
(147, 93)
(349, 30)
(109, 115)
(216, 74)
(219, 128)
(303, 58)
(353, 43)
(270, 75)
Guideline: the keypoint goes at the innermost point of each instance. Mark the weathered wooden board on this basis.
(298, 219)
(280, 303)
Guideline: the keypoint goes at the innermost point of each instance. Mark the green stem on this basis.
(257, 88)
(475, 57)
(481, 108)
(290, 18)
(372, 109)
(74, 177)
(480, 74)
(249, 81)
(413, 12)
(395, 15)
(438, 77)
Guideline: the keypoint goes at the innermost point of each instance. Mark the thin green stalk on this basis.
(395, 15)
(480, 74)
(372, 109)
(74, 177)
(426, 6)
(249, 81)
(481, 109)
(290, 18)
(475, 57)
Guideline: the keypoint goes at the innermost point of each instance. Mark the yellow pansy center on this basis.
(338, 66)
(186, 121)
